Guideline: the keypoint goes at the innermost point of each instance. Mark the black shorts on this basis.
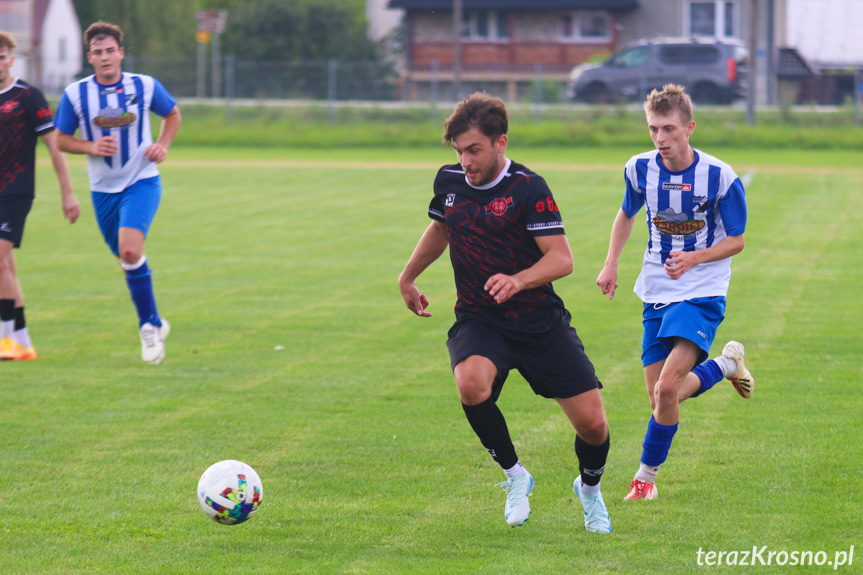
(13, 214)
(553, 363)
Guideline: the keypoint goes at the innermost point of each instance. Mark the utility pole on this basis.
(456, 47)
(753, 67)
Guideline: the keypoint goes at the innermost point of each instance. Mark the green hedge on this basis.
(314, 126)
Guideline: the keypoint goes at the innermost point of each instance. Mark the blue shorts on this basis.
(692, 319)
(135, 207)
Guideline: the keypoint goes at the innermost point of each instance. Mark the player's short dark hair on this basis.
(672, 98)
(7, 41)
(100, 30)
(481, 110)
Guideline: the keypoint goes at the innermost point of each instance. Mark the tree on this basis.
(298, 30)
(152, 28)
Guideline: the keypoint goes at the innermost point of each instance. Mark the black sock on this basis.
(489, 425)
(7, 309)
(591, 459)
(20, 323)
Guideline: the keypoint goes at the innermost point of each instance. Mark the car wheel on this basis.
(705, 93)
(595, 93)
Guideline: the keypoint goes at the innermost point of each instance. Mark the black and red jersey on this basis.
(492, 230)
(24, 116)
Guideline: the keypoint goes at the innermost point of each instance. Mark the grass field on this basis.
(368, 464)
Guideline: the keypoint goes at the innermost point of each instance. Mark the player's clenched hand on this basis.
(607, 281)
(502, 287)
(415, 300)
(156, 153)
(105, 146)
(71, 209)
(678, 263)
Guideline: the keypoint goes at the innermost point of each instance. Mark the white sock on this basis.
(727, 365)
(22, 336)
(590, 489)
(515, 470)
(647, 473)
(7, 328)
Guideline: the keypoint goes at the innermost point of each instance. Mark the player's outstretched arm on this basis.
(621, 229)
(71, 209)
(158, 151)
(555, 263)
(432, 244)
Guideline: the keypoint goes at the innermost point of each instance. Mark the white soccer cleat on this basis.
(743, 381)
(596, 517)
(152, 346)
(164, 330)
(518, 489)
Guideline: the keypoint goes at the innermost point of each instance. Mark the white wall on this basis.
(381, 19)
(826, 31)
(62, 46)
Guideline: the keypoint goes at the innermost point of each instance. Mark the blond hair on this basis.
(672, 98)
(7, 41)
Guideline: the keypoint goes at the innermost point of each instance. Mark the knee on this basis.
(665, 393)
(594, 431)
(130, 255)
(472, 390)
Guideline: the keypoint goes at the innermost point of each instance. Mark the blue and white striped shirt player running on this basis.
(121, 110)
(689, 210)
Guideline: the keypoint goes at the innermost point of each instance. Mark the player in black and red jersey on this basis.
(507, 244)
(24, 117)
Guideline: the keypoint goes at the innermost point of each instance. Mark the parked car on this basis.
(713, 71)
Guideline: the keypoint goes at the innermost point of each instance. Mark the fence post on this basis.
(433, 88)
(201, 88)
(229, 87)
(858, 95)
(537, 91)
(331, 90)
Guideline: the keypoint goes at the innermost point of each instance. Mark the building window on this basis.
(588, 25)
(62, 50)
(485, 25)
(715, 18)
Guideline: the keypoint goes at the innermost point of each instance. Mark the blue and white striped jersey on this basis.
(686, 211)
(121, 110)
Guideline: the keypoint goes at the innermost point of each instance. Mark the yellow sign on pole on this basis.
(204, 36)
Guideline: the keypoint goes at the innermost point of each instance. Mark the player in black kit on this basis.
(507, 244)
(24, 118)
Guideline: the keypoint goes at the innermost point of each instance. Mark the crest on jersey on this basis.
(8, 106)
(670, 222)
(450, 200)
(114, 118)
(499, 206)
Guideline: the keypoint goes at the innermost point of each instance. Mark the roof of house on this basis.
(517, 4)
(792, 65)
(40, 9)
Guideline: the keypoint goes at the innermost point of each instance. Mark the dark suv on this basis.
(713, 71)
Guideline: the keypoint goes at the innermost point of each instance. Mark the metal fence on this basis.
(235, 78)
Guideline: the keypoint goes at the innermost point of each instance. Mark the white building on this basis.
(49, 37)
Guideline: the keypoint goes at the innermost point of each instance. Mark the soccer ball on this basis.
(230, 492)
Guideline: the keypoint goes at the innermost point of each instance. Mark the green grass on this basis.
(355, 427)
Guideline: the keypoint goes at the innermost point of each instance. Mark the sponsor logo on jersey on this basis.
(112, 90)
(670, 222)
(43, 113)
(9, 106)
(669, 187)
(114, 118)
(499, 206)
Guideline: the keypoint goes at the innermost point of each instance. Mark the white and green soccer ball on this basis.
(230, 492)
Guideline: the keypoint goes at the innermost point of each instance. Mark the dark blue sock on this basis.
(709, 374)
(657, 442)
(140, 285)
